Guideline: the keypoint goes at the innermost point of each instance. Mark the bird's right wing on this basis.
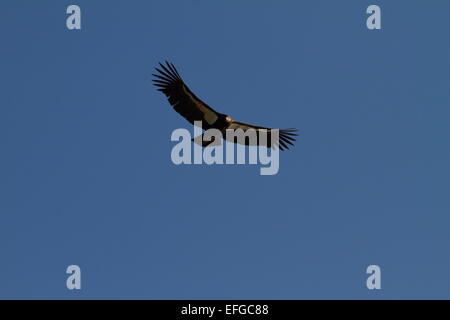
(286, 137)
(183, 100)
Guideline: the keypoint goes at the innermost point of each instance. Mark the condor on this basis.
(186, 103)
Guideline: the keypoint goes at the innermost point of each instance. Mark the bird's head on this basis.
(228, 119)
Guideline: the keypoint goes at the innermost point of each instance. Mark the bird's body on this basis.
(185, 102)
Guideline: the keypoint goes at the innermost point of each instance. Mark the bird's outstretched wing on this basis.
(286, 136)
(183, 100)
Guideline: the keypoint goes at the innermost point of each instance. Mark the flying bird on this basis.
(186, 103)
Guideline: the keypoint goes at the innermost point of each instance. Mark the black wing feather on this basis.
(182, 99)
(285, 136)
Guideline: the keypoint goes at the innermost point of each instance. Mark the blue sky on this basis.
(86, 176)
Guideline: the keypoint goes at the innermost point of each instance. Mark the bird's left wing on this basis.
(286, 136)
(180, 97)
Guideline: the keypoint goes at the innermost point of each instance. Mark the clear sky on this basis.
(86, 176)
